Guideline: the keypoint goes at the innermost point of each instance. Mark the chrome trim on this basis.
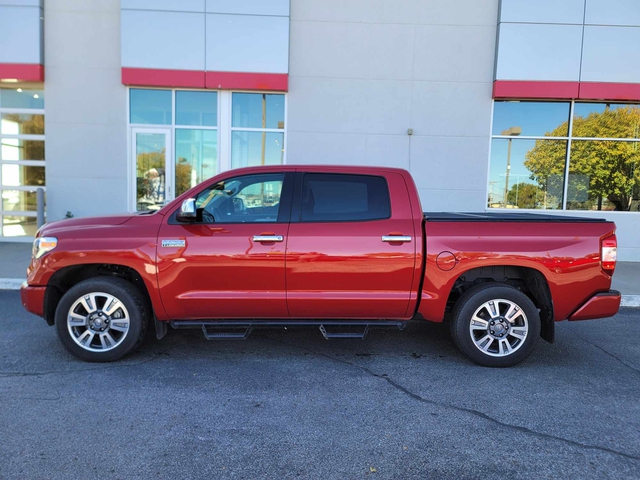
(268, 238)
(396, 238)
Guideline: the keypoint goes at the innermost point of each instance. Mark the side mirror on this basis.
(187, 212)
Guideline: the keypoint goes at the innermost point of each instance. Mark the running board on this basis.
(344, 335)
(215, 333)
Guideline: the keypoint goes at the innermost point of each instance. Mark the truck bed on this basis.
(505, 217)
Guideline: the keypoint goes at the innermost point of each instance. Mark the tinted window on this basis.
(331, 197)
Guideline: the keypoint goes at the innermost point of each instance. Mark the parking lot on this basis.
(288, 404)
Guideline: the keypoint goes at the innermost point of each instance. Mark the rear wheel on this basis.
(101, 319)
(495, 325)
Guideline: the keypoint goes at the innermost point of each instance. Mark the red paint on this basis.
(326, 270)
(247, 81)
(32, 299)
(517, 89)
(599, 306)
(525, 89)
(609, 91)
(24, 72)
(153, 77)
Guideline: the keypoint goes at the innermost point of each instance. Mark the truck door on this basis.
(351, 247)
(229, 263)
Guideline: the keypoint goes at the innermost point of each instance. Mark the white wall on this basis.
(85, 105)
(363, 72)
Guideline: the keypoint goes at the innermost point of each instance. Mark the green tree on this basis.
(599, 169)
(524, 195)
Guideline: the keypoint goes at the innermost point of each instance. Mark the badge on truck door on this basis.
(173, 243)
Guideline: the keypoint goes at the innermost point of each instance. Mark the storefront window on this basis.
(591, 163)
(150, 107)
(22, 154)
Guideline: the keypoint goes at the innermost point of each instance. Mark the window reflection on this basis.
(256, 148)
(19, 201)
(604, 175)
(22, 175)
(601, 120)
(257, 110)
(196, 157)
(18, 149)
(197, 108)
(150, 106)
(549, 119)
(526, 173)
(19, 226)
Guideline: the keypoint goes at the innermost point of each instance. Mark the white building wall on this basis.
(85, 105)
(364, 72)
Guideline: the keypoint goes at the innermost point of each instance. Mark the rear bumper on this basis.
(601, 305)
(32, 298)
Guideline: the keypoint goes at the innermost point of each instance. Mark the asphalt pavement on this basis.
(289, 404)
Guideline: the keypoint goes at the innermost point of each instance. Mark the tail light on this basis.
(608, 254)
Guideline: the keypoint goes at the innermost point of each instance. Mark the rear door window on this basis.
(344, 198)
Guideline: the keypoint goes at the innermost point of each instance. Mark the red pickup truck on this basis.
(340, 248)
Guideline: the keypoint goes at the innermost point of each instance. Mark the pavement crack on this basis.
(471, 411)
(612, 355)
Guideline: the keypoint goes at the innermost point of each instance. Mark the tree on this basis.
(525, 195)
(599, 169)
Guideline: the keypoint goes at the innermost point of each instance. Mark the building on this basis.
(115, 105)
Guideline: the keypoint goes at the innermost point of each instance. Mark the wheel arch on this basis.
(531, 281)
(65, 278)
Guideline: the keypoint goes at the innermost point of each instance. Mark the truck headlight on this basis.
(42, 245)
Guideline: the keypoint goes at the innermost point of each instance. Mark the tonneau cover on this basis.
(505, 217)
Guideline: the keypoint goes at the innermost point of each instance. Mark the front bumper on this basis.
(33, 298)
(601, 305)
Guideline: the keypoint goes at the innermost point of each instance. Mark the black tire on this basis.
(471, 343)
(135, 310)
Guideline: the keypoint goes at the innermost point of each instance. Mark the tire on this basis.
(102, 319)
(513, 335)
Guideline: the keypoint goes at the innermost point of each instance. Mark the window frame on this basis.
(570, 138)
(296, 211)
(223, 128)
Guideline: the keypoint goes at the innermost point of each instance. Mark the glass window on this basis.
(21, 124)
(257, 110)
(19, 226)
(526, 173)
(18, 149)
(256, 148)
(21, 175)
(246, 199)
(19, 201)
(150, 106)
(196, 157)
(336, 198)
(197, 108)
(21, 98)
(603, 120)
(604, 175)
(549, 119)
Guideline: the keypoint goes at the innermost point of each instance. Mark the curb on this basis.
(14, 284)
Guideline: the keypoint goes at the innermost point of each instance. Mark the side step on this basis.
(213, 333)
(344, 335)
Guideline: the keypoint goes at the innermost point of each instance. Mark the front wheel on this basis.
(495, 325)
(101, 319)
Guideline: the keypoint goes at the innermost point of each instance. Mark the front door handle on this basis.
(396, 238)
(268, 238)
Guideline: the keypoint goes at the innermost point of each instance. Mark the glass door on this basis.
(153, 168)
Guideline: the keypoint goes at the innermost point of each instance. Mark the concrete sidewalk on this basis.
(15, 257)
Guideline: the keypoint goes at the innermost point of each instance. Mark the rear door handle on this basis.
(396, 238)
(268, 238)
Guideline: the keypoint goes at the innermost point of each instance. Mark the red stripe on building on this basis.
(526, 89)
(248, 81)
(609, 91)
(152, 77)
(24, 72)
